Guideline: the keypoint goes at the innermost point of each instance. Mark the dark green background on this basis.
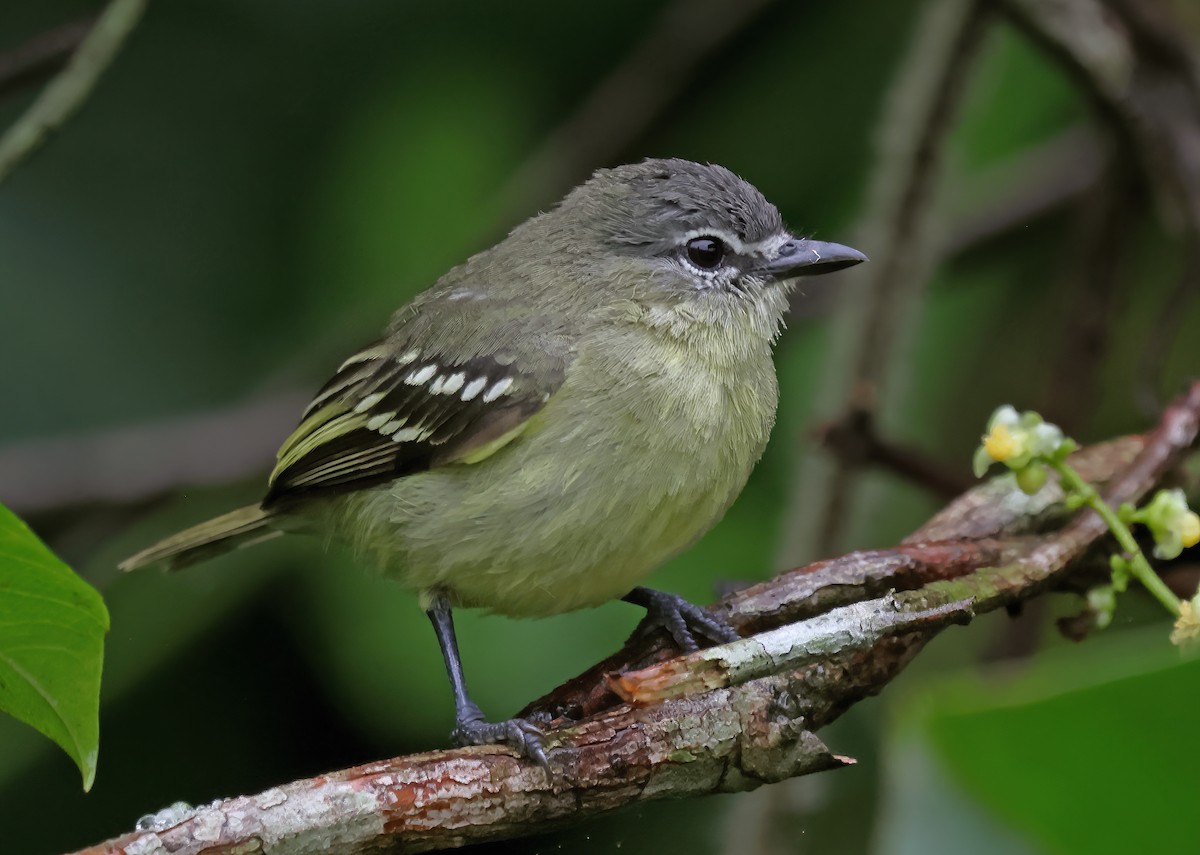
(255, 185)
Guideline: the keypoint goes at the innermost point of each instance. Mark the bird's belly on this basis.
(547, 544)
(534, 530)
(534, 538)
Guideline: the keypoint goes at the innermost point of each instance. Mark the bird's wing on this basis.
(404, 404)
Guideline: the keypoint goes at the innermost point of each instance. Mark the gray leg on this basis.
(470, 728)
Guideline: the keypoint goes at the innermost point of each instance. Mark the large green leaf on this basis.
(1086, 749)
(52, 627)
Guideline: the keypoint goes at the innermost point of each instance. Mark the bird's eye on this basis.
(705, 252)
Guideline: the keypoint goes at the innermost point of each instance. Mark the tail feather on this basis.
(235, 530)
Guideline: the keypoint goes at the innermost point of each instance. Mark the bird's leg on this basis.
(688, 624)
(470, 727)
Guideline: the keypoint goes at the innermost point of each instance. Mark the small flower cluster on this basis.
(1029, 446)
(1024, 442)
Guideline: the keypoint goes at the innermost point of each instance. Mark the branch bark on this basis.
(645, 725)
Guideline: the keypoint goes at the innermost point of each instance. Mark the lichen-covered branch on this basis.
(645, 724)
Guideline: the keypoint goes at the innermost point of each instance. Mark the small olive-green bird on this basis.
(555, 417)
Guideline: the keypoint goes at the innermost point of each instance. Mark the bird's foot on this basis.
(690, 626)
(519, 733)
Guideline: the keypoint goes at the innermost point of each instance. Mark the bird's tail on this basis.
(234, 530)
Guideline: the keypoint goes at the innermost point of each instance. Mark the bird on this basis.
(553, 418)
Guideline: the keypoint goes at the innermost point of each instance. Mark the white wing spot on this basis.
(406, 358)
(435, 388)
(498, 389)
(474, 388)
(376, 422)
(368, 402)
(416, 378)
(453, 383)
(406, 435)
(391, 426)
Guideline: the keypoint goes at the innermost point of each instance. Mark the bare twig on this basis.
(41, 55)
(1031, 184)
(67, 92)
(855, 441)
(721, 720)
(132, 464)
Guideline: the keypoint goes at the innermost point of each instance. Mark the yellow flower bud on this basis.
(1000, 444)
(1189, 529)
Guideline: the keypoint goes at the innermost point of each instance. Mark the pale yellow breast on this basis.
(638, 454)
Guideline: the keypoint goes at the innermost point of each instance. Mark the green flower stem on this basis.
(1139, 567)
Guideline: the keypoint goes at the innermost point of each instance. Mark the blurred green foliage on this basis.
(1101, 765)
(256, 184)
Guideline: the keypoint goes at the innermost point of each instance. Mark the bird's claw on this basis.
(689, 625)
(519, 733)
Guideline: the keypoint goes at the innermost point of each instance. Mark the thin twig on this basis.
(721, 720)
(41, 55)
(1032, 184)
(129, 465)
(68, 91)
(855, 441)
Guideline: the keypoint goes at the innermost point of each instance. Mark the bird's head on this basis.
(690, 230)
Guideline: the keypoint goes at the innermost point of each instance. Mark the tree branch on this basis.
(654, 726)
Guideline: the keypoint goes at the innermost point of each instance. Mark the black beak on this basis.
(810, 257)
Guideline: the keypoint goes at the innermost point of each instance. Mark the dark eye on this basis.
(705, 252)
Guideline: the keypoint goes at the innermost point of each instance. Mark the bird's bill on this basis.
(811, 257)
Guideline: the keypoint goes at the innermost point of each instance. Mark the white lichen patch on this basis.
(270, 798)
(148, 844)
(322, 819)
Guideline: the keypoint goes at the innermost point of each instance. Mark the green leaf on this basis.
(1084, 750)
(52, 627)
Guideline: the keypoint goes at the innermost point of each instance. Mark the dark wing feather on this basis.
(404, 405)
